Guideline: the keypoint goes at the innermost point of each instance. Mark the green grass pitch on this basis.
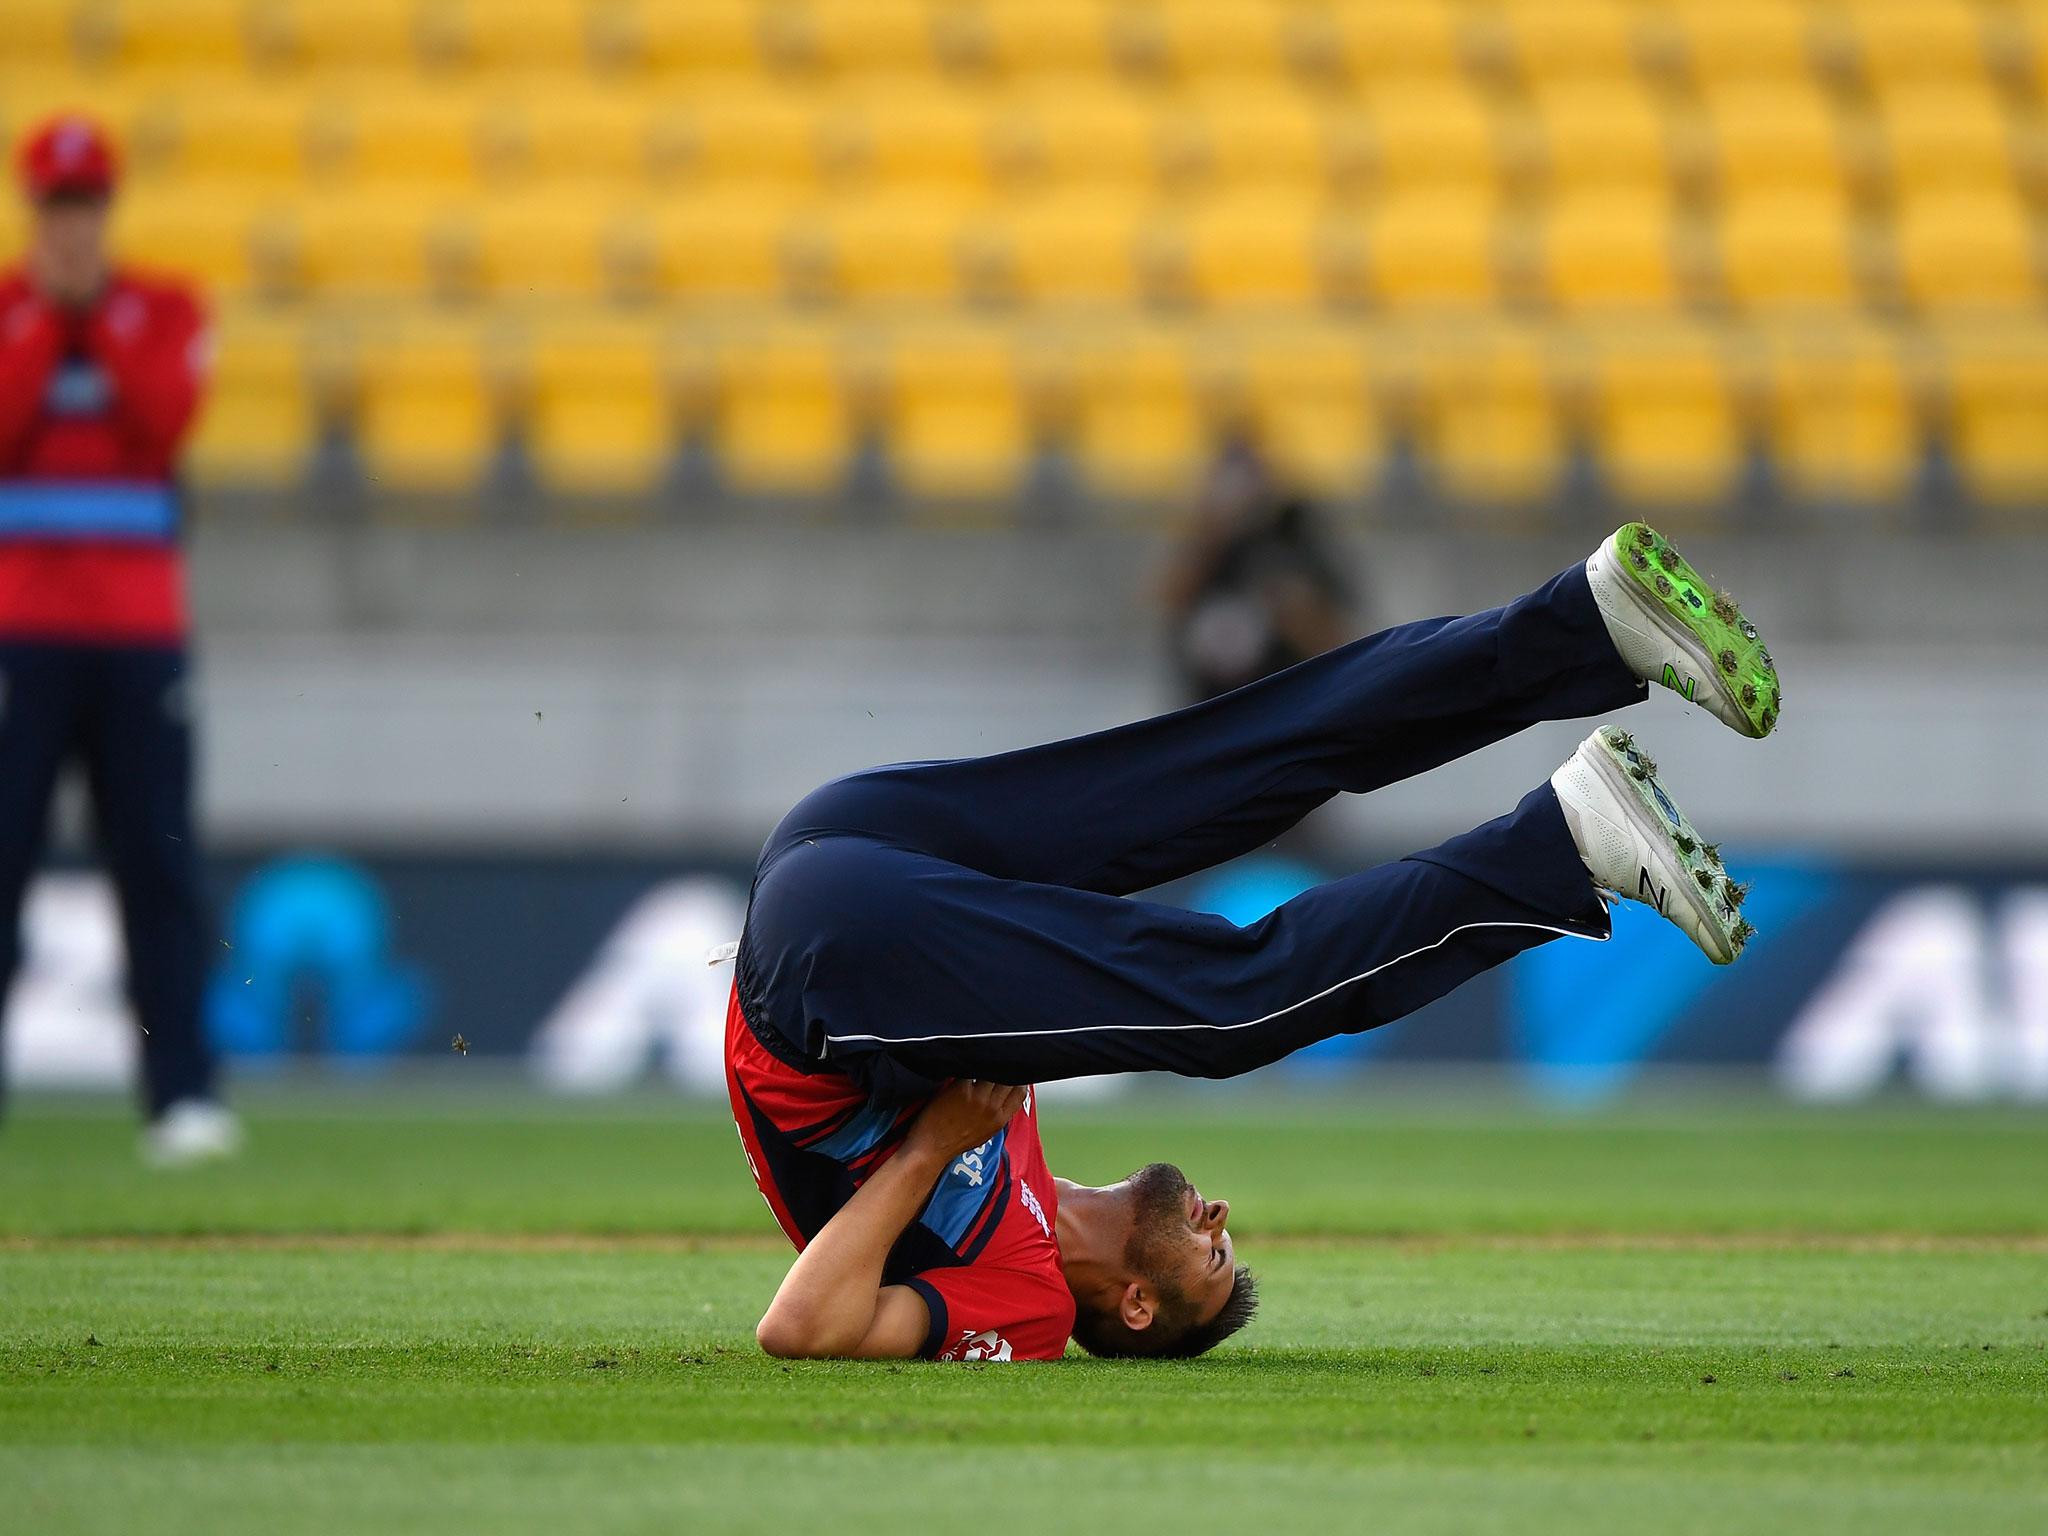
(409, 1313)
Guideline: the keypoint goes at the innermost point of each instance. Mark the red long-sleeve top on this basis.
(94, 406)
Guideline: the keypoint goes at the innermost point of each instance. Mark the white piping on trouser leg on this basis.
(1087, 1029)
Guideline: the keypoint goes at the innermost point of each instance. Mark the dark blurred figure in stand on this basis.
(1253, 587)
(101, 373)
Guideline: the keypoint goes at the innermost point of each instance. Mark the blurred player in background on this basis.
(1253, 588)
(101, 372)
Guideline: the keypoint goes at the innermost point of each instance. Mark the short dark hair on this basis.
(1104, 1334)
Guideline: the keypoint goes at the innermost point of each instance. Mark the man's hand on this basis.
(961, 1116)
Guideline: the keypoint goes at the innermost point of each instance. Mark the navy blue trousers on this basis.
(121, 713)
(974, 918)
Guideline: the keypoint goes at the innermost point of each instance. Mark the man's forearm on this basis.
(827, 1300)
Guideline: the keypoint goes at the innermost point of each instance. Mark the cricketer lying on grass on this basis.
(922, 935)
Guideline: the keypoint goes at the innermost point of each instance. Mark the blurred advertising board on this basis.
(594, 972)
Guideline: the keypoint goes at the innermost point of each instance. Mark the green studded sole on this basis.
(1708, 887)
(1737, 661)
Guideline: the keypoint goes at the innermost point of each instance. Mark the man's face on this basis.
(1179, 1243)
(70, 249)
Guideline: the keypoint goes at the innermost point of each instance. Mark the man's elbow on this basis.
(778, 1338)
(788, 1337)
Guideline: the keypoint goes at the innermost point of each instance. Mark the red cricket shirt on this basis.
(983, 1252)
(94, 407)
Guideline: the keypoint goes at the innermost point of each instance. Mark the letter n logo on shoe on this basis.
(1671, 681)
(1650, 891)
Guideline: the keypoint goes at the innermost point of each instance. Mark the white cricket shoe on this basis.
(1672, 627)
(191, 1131)
(1637, 843)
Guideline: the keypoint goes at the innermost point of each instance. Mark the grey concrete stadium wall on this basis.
(680, 686)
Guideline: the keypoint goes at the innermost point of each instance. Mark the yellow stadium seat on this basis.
(29, 94)
(1774, 134)
(498, 35)
(1842, 425)
(955, 417)
(222, 135)
(362, 34)
(1491, 432)
(2029, 46)
(868, 36)
(1919, 40)
(712, 37)
(1565, 39)
(908, 131)
(1608, 251)
(1046, 36)
(1255, 250)
(1204, 38)
(1428, 134)
(42, 32)
(1733, 40)
(1396, 39)
(1787, 248)
(1946, 135)
(1996, 385)
(907, 244)
(426, 420)
(205, 234)
(1309, 403)
(783, 423)
(1433, 249)
(1262, 137)
(598, 416)
(1070, 132)
(597, 134)
(1080, 246)
(1139, 430)
(1603, 133)
(179, 35)
(13, 231)
(257, 428)
(1966, 250)
(372, 243)
(1664, 422)
(544, 242)
(751, 135)
(426, 136)
(728, 243)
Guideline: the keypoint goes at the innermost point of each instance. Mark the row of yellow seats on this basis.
(1400, 134)
(1944, 250)
(961, 412)
(1361, 38)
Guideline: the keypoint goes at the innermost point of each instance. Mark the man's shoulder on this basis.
(167, 297)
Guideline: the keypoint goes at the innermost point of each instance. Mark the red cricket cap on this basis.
(70, 155)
